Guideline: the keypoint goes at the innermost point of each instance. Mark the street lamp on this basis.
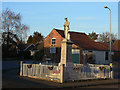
(110, 31)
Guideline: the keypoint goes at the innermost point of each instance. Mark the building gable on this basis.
(48, 39)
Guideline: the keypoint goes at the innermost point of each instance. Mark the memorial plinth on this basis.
(66, 52)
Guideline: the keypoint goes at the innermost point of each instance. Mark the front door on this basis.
(76, 56)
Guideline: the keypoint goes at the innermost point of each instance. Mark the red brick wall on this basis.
(48, 43)
(48, 39)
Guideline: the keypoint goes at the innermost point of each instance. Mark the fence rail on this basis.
(78, 72)
(73, 72)
(42, 71)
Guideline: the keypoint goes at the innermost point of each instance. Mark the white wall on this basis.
(100, 57)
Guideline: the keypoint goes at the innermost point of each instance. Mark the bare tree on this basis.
(105, 37)
(21, 31)
(0, 30)
(11, 23)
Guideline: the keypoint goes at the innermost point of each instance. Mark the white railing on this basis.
(61, 73)
(42, 71)
(88, 72)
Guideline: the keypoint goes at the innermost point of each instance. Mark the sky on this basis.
(84, 17)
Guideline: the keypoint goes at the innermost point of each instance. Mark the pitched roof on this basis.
(29, 47)
(36, 46)
(108, 45)
(84, 41)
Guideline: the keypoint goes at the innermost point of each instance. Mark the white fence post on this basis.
(21, 68)
(61, 73)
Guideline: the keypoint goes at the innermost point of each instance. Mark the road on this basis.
(11, 79)
(105, 86)
(12, 64)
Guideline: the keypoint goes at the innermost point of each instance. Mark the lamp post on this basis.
(110, 32)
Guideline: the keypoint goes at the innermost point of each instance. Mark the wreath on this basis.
(50, 68)
(101, 68)
(29, 66)
(76, 69)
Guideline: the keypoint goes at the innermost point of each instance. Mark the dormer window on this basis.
(53, 41)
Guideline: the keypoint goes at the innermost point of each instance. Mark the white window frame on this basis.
(75, 51)
(54, 42)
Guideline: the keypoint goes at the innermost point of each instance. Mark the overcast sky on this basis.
(83, 16)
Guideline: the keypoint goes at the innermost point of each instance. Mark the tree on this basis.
(37, 37)
(105, 37)
(11, 23)
(37, 40)
(30, 38)
(39, 55)
(93, 35)
(13, 32)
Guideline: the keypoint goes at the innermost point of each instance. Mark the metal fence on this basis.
(42, 71)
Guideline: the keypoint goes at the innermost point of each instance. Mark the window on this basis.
(106, 55)
(52, 49)
(53, 41)
(75, 51)
(90, 55)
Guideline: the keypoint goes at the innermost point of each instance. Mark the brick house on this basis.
(117, 53)
(82, 43)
